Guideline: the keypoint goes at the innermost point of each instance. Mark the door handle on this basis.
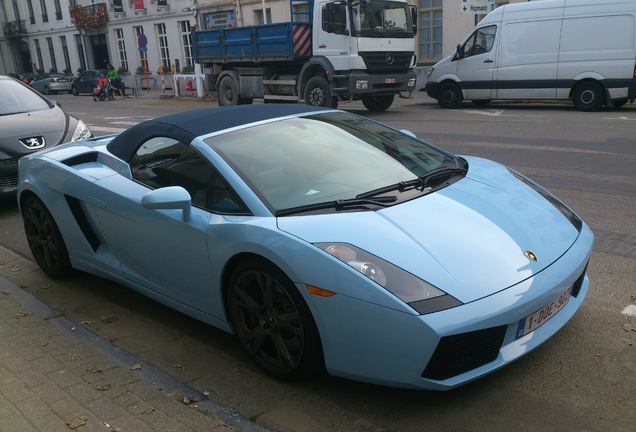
(322, 46)
(488, 61)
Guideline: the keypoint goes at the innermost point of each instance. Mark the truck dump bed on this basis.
(269, 42)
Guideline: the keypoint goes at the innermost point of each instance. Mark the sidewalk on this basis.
(56, 375)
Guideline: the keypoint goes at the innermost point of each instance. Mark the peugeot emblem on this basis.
(530, 255)
(389, 58)
(35, 142)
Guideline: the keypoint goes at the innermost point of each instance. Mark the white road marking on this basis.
(106, 129)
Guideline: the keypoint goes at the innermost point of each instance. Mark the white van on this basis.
(584, 50)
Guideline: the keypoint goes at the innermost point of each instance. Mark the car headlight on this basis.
(81, 132)
(419, 294)
(431, 70)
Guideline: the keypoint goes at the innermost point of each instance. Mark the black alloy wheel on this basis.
(273, 322)
(45, 240)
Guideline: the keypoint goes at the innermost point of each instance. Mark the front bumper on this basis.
(387, 83)
(446, 349)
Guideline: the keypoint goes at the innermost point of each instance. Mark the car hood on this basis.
(51, 124)
(468, 239)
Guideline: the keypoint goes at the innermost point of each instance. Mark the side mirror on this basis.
(460, 51)
(414, 18)
(171, 197)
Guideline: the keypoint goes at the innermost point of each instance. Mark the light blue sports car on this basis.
(323, 239)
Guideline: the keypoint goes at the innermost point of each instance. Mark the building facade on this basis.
(73, 35)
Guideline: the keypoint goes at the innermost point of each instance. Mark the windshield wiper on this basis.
(429, 179)
(352, 203)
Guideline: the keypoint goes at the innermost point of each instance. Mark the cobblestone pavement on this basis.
(56, 375)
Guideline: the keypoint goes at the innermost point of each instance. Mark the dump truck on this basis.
(329, 51)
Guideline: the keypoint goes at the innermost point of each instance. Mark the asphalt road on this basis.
(583, 379)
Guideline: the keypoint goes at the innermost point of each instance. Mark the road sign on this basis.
(477, 7)
(142, 40)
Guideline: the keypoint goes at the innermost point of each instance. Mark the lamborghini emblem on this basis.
(530, 255)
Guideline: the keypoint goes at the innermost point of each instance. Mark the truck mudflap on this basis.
(361, 83)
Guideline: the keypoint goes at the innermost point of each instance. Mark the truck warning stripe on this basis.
(302, 40)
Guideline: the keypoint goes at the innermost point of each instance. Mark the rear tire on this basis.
(227, 91)
(45, 240)
(588, 96)
(273, 322)
(450, 96)
(378, 103)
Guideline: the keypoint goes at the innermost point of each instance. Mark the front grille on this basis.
(376, 62)
(10, 181)
(11, 161)
(463, 352)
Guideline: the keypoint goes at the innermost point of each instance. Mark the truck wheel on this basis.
(588, 96)
(318, 93)
(449, 96)
(378, 103)
(228, 92)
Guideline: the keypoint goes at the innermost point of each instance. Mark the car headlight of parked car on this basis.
(81, 132)
(419, 294)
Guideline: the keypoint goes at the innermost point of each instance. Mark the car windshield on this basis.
(15, 98)
(324, 158)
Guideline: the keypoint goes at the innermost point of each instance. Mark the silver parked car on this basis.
(51, 83)
(30, 122)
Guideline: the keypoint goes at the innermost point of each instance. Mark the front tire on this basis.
(588, 96)
(318, 93)
(74, 91)
(228, 92)
(378, 103)
(450, 96)
(45, 240)
(273, 322)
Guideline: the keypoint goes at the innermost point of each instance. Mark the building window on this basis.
(58, 10)
(121, 47)
(186, 39)
(45, 15)
(38, 53)
(80, 51)
(49, 42)
(67, 59)
(431, 27)
(164, 53)
(258, 16)
(31, 14)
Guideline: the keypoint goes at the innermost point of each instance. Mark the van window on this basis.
(481, 41)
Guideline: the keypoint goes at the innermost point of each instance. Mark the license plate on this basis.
(540, 317)
(389, 80)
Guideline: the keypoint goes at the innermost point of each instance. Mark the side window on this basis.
(334, 18)
(223, 199)
(163, 161)
(480, 42)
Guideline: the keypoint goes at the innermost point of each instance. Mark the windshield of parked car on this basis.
(325, 157)
(16, 98)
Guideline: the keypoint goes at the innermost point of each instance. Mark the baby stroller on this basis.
(103, 90)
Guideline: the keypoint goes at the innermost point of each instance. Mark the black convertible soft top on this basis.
(187, 125)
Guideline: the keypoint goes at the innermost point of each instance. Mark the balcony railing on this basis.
(14, 28)
(89, 17)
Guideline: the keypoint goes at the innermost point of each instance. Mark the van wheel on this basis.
(228, 92)
(588, 96)
(481, 102)
(450, 96)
